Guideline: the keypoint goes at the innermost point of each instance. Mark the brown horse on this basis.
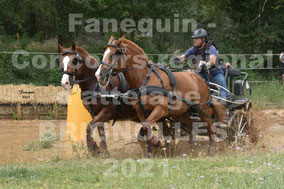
(78, 65)
(125, 56)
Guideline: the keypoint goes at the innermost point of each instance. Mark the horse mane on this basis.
(82, 51)
(134, 47)
(85, 54)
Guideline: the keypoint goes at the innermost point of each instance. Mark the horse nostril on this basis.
(67, 83)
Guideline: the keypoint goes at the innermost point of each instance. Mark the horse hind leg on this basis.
(211, 133)
(166, 131)
(219, 115)
(188, 125)
(145, 134)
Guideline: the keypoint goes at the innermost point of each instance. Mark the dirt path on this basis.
(271, 127)
(121, 139)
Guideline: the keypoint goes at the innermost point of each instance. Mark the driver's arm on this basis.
(213, 53)
(187, 53)
(212, 60)
(181, 57)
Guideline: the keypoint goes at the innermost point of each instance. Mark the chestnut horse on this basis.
(125, 56)
(78, 66)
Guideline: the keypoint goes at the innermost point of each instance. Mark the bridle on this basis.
(77, 61)
(118, 53)
(112, 67)
(111, 72)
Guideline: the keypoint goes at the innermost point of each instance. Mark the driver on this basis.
(206, 53)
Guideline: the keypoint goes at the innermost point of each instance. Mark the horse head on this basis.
(74, 63)
(120, 56)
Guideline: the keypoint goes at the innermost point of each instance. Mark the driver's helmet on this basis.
(200, 33)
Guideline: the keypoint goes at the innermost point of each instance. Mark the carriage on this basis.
(238, 121)
(237, 124)
(238, 114)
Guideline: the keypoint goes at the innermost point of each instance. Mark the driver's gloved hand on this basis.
(176, 60)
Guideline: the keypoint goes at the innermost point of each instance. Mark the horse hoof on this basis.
(211, 152)
(104, 152)
(149, 155)
(163, 144)
(94, 152)
(196, 147)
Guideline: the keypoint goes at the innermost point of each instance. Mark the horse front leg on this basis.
(103, 145)
(91, 144)
(98, 121)
(158, 113)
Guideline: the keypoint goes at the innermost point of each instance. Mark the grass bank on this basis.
(267, 95)
(236, 171)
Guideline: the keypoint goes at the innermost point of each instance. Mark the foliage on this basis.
(249, 26)
(46, 141)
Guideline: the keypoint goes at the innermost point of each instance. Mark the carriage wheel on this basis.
(238, 125)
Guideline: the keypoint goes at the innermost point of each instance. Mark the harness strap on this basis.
(158, 75)
(142, 106)
(83, 80)
(147, 77)
(123, 85)
(106, 64)
(171, 77)
(146, 90)
(153, 69)
(111, 84)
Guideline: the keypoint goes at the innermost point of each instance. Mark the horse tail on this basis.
(218, 111)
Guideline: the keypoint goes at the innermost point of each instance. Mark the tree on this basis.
(65, 37)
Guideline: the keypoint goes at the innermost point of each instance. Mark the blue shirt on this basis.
(212, 51)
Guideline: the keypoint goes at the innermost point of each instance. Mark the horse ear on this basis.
(60, 48)
(122, 40)
(73, 46)
(111, 38)
(123, 37)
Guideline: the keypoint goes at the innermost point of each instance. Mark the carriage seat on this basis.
(234, 72)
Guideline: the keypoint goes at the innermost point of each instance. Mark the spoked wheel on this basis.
(238, 127)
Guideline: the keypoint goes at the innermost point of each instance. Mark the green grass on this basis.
(267, 95)
(236, 171)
